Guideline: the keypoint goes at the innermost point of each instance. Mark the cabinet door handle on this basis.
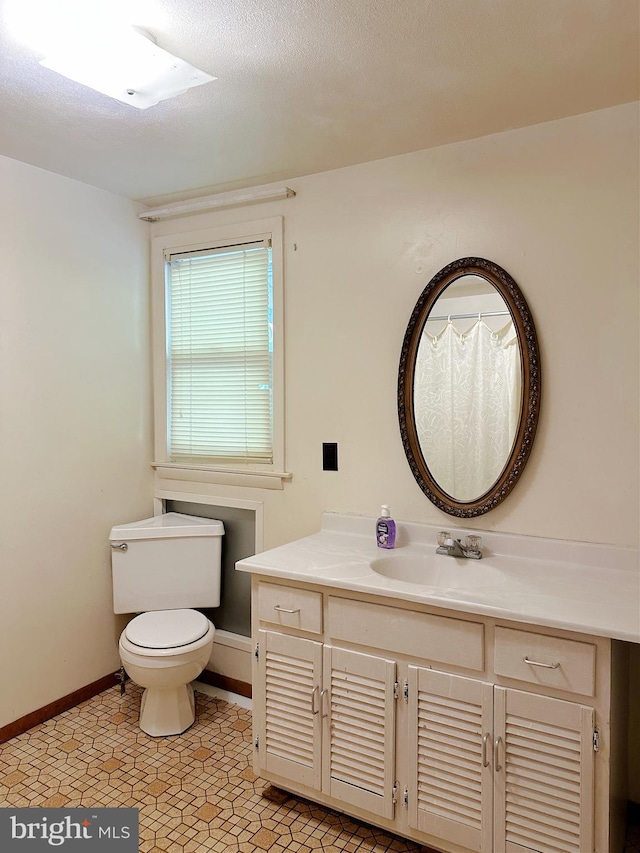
(496, 754)
(314, 696)
(485, 754)
(539, 663)
(323, 703)
(284, 609)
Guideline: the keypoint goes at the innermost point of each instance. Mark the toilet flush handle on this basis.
(121, 547)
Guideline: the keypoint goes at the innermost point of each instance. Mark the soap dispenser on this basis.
(385, 529)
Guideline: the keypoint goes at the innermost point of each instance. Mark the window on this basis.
(218, 352)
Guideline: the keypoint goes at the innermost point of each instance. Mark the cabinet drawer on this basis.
(438, 638)
(290, 607)
(548, 661)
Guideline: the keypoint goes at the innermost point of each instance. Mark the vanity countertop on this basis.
(588, 588)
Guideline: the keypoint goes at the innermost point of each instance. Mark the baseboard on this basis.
(231, 656)
(224, 682)
(18, 727)
(27, 722)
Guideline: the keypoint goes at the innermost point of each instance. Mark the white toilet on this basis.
(162, 567)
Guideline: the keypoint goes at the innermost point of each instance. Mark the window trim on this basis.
(268, 475)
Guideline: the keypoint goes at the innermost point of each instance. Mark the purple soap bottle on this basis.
(385, 529)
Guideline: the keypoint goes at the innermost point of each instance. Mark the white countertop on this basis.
(584, 587)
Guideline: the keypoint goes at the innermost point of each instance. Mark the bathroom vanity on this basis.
(468, 705)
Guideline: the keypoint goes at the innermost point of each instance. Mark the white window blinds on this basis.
(220, 355)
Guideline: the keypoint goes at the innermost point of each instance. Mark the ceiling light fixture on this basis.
(126, 65)
(211, 202)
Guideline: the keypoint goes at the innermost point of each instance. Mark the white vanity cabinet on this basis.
(543, 773)
(495, 768)
(450, 774)
(326, 717)
(462, 732)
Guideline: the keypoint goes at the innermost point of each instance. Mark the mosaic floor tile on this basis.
(196, 792)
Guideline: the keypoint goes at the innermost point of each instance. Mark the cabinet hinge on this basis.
(405, 797)
(394, 793)
(396, 689)
(256, 743)
(596, 740)
(405, 690)
(256, 653)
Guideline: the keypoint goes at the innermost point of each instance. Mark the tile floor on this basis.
(195, 792)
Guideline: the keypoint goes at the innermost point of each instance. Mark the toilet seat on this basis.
(166, 629)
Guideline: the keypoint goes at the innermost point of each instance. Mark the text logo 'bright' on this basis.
(34, 830)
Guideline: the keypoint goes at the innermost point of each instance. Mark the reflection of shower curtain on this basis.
(467, 404)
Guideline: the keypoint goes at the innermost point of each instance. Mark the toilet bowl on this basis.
(162, 568)
(163, 651)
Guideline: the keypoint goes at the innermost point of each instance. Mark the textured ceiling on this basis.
(309, 85)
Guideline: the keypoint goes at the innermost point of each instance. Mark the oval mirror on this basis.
(469, 387)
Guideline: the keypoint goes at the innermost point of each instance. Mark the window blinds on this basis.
(220, 355)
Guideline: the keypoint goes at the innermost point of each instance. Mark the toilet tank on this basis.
(168, 562)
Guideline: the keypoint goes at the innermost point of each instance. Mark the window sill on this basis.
(255, 479)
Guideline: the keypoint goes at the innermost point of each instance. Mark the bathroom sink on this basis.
(430, 570)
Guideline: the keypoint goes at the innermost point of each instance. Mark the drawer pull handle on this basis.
(485, 743)
(314, 696)
(496, 755)
(284, 609)
(323, 696)
(539, 663)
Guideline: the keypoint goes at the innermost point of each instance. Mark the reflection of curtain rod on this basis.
(470, 316)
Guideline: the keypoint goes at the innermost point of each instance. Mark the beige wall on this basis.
(74, 426)
(557, 206)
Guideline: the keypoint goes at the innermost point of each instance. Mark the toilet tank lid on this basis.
(168, 525)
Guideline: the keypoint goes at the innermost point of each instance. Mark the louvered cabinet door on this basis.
(451, 784)
(288, 704)
(544, 784)
(359, 732)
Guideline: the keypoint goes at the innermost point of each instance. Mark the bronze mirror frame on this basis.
(530, 403)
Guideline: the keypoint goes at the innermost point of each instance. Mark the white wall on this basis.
(74, 426)
(557, 206)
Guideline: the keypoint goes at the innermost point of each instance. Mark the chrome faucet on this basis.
(471, 550)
